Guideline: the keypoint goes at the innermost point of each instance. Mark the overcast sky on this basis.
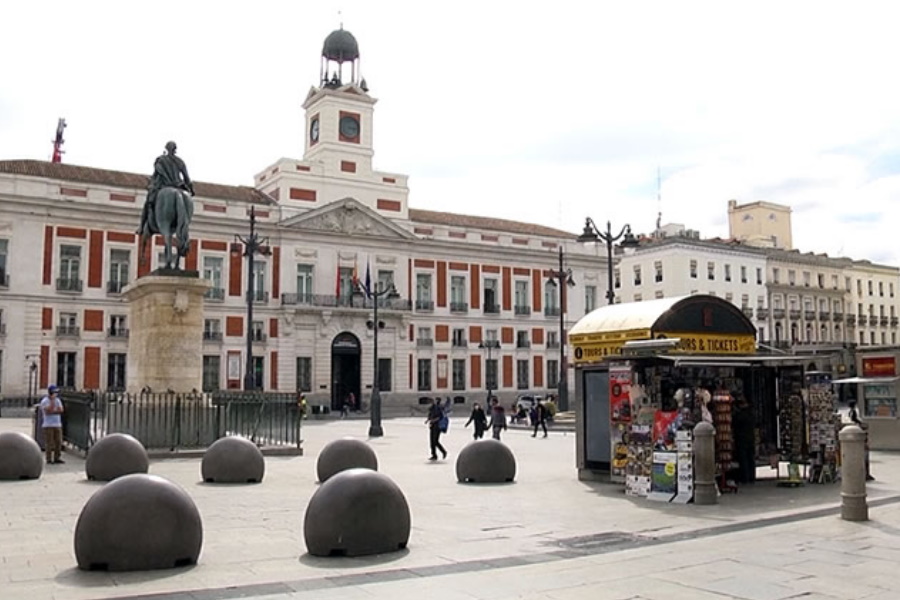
(543, 112)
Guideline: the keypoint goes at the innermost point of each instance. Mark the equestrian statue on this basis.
(168, 208)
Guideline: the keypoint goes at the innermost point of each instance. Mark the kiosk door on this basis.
(596, 420)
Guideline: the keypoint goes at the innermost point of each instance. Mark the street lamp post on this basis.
(253, 245)
(375, 429)
(488, 345)
(563, 279)
(592, 234)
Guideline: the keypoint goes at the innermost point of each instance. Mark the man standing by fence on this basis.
(51, 412)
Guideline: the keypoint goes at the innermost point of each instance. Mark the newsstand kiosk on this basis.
(648, 372)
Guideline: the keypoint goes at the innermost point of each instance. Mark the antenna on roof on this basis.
(58, 141)
(658, 201)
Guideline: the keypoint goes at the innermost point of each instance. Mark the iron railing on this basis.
(65, 284)
(170, 421)
(215, 294)
(114, 286)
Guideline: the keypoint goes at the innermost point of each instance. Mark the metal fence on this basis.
(170, 421)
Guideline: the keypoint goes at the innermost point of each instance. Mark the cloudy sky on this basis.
(547, 114)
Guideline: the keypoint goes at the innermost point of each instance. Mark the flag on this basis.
(355, 281)
(368, 281)
(337, 283)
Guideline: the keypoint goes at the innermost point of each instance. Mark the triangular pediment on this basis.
(347, 217)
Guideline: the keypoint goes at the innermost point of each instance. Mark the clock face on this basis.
(349, 127)
(314, 130)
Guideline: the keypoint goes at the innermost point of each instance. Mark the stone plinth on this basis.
(165, 342)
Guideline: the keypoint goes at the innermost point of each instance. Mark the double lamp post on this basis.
(592, 234)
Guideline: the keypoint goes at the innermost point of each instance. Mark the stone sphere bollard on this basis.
(346, 453)
(356, 512)
(20, 456)
(138, 522)
(705, 491)
(233, 460)
(486, 461)
(115, 455)
(854, 506)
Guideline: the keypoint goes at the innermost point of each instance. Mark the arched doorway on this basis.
(345, 358)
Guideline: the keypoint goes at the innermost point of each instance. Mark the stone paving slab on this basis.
(501, 541)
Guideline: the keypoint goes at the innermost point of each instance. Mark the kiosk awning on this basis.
(866, 380)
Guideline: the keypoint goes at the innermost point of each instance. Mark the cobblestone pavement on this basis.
(547, 536)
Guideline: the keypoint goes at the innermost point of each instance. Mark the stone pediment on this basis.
(349, 217)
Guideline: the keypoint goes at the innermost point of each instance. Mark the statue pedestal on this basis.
(165, 342)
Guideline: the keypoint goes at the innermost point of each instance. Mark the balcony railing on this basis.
(809, 315)
(258, 336)
(522, 309)
(851, 320)
(461, 343)
(795, 313)
(838, 315)
(212, 336)
(824, 315)
(748, 311)
(762, 313)
(551, 311)
(459, 307)
(68, 331)
(425, 342)
(862, 319)
(2, 329)
(553, 344)
(4, 280)
(883, 320)
(352, 301)
(115, 287)
(117, 332)
(777, 313)
(893, 321)
(425, 305)
(491, 309)
(260, 296)
(64, 284)
(523, 344)
(215, 294)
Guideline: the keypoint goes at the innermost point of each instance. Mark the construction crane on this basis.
(59, 141)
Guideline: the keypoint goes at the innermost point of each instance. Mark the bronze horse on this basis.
(171, 218)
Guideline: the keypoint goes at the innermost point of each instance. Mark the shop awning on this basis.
(866, 380)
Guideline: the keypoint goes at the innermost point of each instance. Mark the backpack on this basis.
(443, 422)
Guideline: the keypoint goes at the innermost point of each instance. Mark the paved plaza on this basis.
(546, 536)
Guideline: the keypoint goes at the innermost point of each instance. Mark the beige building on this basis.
(761, 224)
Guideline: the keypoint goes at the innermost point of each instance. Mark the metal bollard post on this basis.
(853, 474)
(705, 491)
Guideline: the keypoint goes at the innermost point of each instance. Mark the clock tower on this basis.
(339, 111)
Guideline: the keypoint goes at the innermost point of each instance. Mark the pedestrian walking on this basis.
(540, 418)
(436, 420)
(479, 419)
(498, 418)
(51, 408)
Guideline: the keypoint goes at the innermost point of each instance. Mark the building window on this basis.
(260, 293)
(553, 339)
(821, 280)
(552, 373)
(212, 272)
(211, 370)
(859, 287)
(212, 329)
(847, 284)
(637, 274)
(522, 376)
(638, 297)
(115, 371)
(551, 305)
(346, 280)
(869, 286)
(385, 374)
(258, 331)
(69, 268)
(423, 379)
(711, 271)
(458, 300)
(617, 278)
(491, 304)
(68, 324)
(304, 374)
(65, 369)
(118, 270)
(658, 271)
(760, 302)
(384, 282)
(776, 276)
(304, 284)
(759, 277)
(805, 278)
(881, 288)
(743, 274)
(118, 326)
(259, 370)
(792, 277)
(459, 374)
(490, 373)
(522, 340)
(459, 338)
(745, 300)
(521, 295)
(693, 268)
(423, 291)
(727, 272)
(891, 289)
(490, 335)
(423, 336)
(4, 253)
(658, 294)
(590, 298)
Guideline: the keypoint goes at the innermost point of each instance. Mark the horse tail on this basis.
(183, 222)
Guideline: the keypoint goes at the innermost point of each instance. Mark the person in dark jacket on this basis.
(498, 418)
(480, 419)
(540, 418)
(435, 414)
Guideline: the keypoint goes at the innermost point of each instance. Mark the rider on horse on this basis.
(168, 171)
